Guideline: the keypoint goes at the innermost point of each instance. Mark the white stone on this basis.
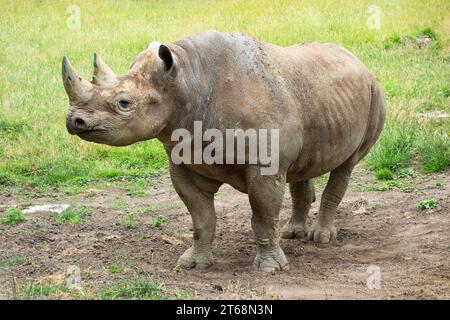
(57, 208)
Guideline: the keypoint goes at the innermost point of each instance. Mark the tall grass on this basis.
(394, 149)
(434, 151)
(36, 150)
(401, 142)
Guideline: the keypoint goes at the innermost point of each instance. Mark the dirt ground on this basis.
(382, 230)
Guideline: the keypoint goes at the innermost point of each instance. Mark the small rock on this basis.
(56, 208)
(170, 240)
(72, 251)
(298, 251)
(362, 207)
(436, 116)
(218, 287)
(407, 258)
(424, 41)
(112, 237)
(361, 210)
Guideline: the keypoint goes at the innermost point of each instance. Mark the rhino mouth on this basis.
(94, 135)
(89, 131)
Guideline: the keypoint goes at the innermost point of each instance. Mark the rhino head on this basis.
(122, 110)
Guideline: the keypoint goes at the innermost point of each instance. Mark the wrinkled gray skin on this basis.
(328, 107)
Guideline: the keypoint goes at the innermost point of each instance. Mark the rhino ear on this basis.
(154, 46)
(168, 61)
(167, 57)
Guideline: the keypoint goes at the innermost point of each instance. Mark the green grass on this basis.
(12, 262)
(402, 142)
(36, 150)
(37, 291)
(148, 209)
(404, 185)
(129, 221)
(384, 174)
(159, 222)
(13, 216)
(393, 151)
(137, 187)
(427, 204)
(74, 215)
(440, 185)
(118, 204)
(434, 151)
(138, 288)
(172, 206)
(114, 269)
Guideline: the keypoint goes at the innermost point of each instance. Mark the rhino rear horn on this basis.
(103, 75)
(77, 88)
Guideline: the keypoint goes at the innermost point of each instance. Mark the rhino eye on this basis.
(124, 104)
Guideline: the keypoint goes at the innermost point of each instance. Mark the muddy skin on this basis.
(327, 106)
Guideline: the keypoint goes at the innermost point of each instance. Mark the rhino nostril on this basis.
(79, 122)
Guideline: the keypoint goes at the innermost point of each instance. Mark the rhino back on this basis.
(331, 91)
(318, 95)
(234, 73)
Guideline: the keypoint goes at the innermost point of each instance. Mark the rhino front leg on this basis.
(197, 193)
(323, 229)
(302, 193)
(266, 196)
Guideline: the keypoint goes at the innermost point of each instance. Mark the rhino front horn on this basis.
(103, 75)
(77, 88)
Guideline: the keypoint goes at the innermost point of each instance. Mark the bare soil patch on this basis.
(385, 229)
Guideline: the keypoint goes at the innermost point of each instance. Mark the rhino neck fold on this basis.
(196, 90)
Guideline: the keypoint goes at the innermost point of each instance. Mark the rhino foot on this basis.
(299, 231)
(271, 260)
(322, 234)
(194, 259)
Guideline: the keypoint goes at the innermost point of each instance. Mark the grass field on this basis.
(36, 150)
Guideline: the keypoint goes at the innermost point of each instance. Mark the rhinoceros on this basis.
(326, 106)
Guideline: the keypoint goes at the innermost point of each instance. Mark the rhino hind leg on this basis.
(266, 196)
(303, 195)
(323, 229)
(198, 196)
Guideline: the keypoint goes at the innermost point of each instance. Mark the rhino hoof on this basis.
(294, 231)
(322, 235)
(191, 259)
(271, 260)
